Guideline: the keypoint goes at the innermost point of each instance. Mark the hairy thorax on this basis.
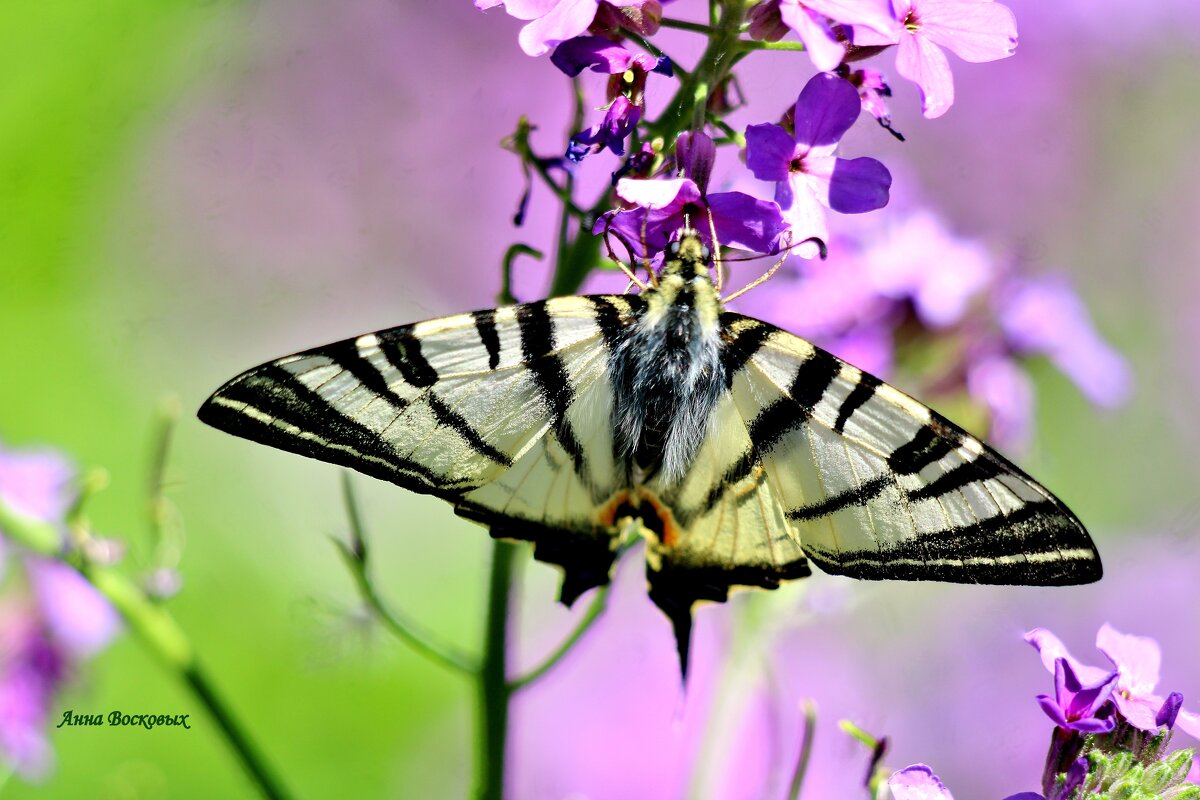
(668, 374)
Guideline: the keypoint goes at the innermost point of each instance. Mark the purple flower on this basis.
(917, 782)
(1137, 660)
(807, 175)
(1045, 316)
(619, 121)
(1075, 706)
(79, 618)
(813, 22)
(664, 206)
(36, 484)
(604, 56)
(32, 669)
(555, 21)
(975, 30)
(918, 258)
(1004, 388)
(626, 90)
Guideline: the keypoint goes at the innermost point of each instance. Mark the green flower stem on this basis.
(494, 689)
(157, 631)
(754, 44)
(686, 108)
(810, 729)
(684, 25)
(506, 296)
(356, 555)
(594, 612)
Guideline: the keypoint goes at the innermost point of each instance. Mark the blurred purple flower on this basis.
(974, 30)
(918, 258)
(80, 619)
(36, 484)
(32, 669)
(917, 782)
(604, 56)
(663, 206)
(1194, 773)
(1075, 706)
(1045, 316)
(1005, 390)
(807, 175)
(1169, 713)
(1137, 660)
(555, 21)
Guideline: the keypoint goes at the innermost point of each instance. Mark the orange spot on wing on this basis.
(633, 504)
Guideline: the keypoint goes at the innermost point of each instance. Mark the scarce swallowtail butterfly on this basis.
(745, 452)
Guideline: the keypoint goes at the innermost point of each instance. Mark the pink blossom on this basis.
(552, 22)
(813, 21)
(974, 30)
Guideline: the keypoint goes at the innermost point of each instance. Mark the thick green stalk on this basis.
(686, 109)
(494, 690)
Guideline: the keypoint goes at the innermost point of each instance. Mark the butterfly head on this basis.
(687, 256)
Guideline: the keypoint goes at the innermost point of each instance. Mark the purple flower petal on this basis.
(804, 213)
(80, 618)
(37, 484)
(1046, 316)
(874, 14)
(1137, 658)
(974, 30)
(769, 151)
(1189, 722)
(924, 64)
(566, 20)
(825, 51)
(1002, 387)
(745, 222)
(591, 52)
(917, 782)
(657, 193)
(766, 23)
(827, 107)
(858, 185)
(1169, 711)
(1026, 796)
(695, 154)
(1051, 648)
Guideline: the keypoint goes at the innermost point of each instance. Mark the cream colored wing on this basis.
(503, 412)
(875, 485)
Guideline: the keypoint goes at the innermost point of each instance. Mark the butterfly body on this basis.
(667, 370)
(745, 452)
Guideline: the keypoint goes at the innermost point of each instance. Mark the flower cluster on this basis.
(1111, 731)
(51, 618)
(670, 157)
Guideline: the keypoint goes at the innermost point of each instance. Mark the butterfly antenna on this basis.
(646, 250)
(716, 252)
(633, 278)
(824, 251)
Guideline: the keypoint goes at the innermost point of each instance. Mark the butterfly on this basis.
(745, 453)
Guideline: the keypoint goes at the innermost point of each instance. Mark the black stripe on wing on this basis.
(1039, 544)
(303, 422)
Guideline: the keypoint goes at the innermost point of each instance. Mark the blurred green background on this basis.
(190, 188)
